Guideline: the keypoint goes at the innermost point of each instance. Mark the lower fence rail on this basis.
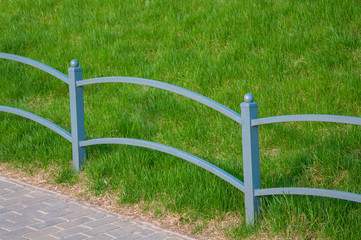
(37, 119)
(311, 192)
(172, 151)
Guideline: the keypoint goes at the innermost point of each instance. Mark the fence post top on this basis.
(248, 98)
(74, 63)
(248, 101)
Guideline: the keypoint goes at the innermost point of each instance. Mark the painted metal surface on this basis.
(36, 64)
(77, 114)
(249, 120)
(171, 88)
(307, 118)
(310, 191)
(37, 119)
(251, 167)
(172, 151)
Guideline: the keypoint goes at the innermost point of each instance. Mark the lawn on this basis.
(295, 57)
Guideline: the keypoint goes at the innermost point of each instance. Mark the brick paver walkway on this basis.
(28, 212)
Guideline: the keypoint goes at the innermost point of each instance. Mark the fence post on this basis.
(77, 114)
(251, 168)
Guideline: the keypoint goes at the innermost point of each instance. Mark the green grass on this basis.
(296, 57)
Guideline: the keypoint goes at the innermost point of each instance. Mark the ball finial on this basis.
(248, 98)
(74, 63)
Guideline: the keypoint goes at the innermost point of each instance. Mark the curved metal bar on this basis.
(38, 119)
(307, 118)
(172, 151)
(169, 87)
(36, 64)
(310, 191)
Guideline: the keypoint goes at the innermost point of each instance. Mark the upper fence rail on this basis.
(36, 64)
(307, 118)
(168, 87)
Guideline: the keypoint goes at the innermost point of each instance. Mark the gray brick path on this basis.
(28, 212)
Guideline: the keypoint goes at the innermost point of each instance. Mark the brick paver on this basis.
(28, 212)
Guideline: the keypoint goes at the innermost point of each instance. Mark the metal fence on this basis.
(251, 187)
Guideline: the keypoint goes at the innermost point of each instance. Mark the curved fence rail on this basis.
(36, 64)
(172, 151)
(37, 119)
(310, 191)
(307, 118)
(251, 187)
(168, 87)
